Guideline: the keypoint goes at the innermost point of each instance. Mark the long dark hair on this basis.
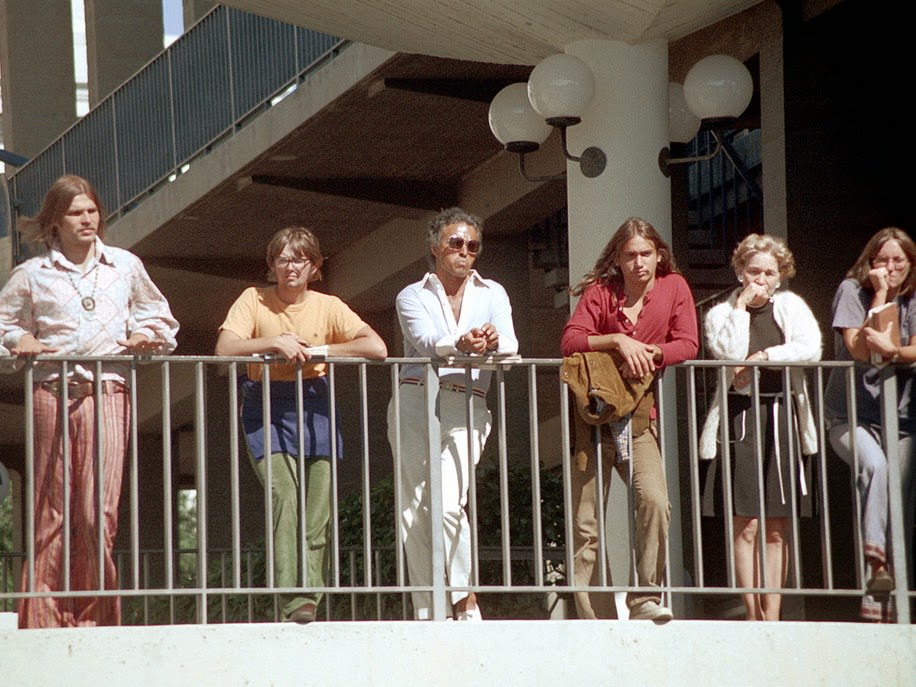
(863, 264)
(605, 270)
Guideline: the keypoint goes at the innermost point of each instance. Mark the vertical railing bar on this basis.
(759, 458)
(663, 451)
(395, 434)
(377, 568)
(823, 497)
(354, 599)
(134, 479)
(230, 73)
(101, 441)
(302, 471)
(64, 411)
(434, 461)
(537, 534)
(900, 531)
(200, 440)
(568, 512)
(601, 508)
(268, 476)
(173, 115)
(796, 468)
(725, 464)
(29, 514)
(115, 150)
(234, 476)
(335, 455)
(168, 496)
(696, 509)
(505, 520)
(853, 419)
(365, 476)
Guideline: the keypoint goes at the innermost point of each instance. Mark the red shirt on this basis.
(668, 319)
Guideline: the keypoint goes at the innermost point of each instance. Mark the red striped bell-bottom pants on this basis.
(51, 563)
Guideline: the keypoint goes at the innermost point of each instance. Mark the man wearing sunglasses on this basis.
(452, 311)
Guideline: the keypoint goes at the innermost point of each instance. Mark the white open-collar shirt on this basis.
(431, 331)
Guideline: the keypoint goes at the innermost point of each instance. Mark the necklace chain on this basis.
(88, 302)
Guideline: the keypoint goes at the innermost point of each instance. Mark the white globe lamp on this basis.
(561, 88)
(514, 122)
(683, 125)
(718, 88)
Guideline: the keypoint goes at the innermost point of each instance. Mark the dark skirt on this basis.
(782, 481)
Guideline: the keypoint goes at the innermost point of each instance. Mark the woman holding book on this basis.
(882, 276)
(757, 322)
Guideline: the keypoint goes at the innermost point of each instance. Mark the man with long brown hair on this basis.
(636, 304)
(80, 297)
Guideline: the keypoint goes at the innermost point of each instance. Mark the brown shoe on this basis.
(304, 614)
(880, 582)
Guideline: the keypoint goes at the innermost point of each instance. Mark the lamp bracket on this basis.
(535, 179)
(592, 161)
(665, 161)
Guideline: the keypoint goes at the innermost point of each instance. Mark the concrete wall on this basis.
(36, 66)
(523, 653)
(121, 37)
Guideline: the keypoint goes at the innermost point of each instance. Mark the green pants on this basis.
(285, 498)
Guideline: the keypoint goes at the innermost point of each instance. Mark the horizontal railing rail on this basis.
(195, 545)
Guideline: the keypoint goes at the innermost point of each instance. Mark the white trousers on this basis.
(414, 494)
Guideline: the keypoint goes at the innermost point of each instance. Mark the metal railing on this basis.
(200, 90)
(210, 564)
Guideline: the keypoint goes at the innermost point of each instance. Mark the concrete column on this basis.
(36, 73)
(628, 120)
(121, 37)
(195, 9)
(773, 132)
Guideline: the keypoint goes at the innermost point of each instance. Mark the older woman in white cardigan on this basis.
(758, 323)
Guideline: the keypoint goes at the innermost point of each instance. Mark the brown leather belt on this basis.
(460, 388)
(76, 390)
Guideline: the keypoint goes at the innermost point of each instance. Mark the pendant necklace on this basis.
(88, 302)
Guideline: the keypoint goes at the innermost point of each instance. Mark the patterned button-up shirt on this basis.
(44, 297)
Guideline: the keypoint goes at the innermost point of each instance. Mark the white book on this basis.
(878, 318)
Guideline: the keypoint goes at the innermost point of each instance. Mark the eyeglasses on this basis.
(458, 242)
(283, 261)
(884, 262)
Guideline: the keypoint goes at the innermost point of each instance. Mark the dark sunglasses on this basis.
(457, 243)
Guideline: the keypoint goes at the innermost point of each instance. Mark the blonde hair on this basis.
(752, 244)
